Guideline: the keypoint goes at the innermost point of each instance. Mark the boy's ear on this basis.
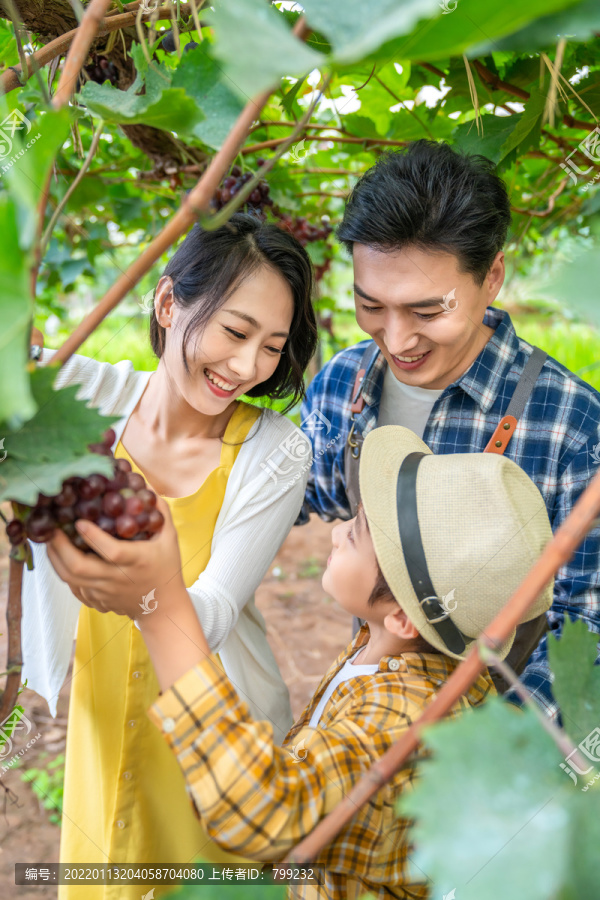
(398, 623)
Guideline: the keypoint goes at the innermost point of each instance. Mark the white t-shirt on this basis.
(404, 404)
(347, 672)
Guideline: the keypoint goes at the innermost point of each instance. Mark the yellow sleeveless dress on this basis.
(124, 795)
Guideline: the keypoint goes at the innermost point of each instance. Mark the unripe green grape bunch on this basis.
(122, 506)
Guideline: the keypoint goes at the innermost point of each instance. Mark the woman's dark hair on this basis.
(431, 197)
(210, 265)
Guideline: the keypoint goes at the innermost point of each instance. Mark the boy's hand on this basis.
(126, 572)
(37, 338)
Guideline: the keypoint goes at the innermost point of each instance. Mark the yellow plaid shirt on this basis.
(258, 799)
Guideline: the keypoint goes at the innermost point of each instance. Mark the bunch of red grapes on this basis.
(101, 69)
(259, 200)
(122, 506)
(302, 229)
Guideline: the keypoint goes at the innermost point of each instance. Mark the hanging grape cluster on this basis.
(122, 506)
(259, 200)
(101, 69)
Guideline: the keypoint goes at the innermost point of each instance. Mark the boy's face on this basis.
(352, 570)
(399, 299)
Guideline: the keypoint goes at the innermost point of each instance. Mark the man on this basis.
(425, 227)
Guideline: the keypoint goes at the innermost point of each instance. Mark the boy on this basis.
(427, 573)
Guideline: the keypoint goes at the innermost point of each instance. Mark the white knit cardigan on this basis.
(260, 506)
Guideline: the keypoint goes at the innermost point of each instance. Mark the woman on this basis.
(232, 316)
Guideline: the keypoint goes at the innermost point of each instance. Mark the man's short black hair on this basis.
(431, 197)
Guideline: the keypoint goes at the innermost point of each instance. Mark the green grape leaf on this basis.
(161, 106)
(16, 309)
(528, 127)
(580, 23)
(353, 34)
(495, 814)
(497, 132)
(27, 151)
(257, 63)
(52, 444)
(201, 78)
(466, 23)
(576, 684)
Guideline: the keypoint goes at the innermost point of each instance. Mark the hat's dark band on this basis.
(414, 556)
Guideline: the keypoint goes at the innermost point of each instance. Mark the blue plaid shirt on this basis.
(556, 442)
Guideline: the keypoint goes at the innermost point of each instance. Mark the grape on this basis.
(107, 524)
(134, 506)
(67, 497)
(135, 482)
(15, 532)
(142, 519)
(102, 449)
(40, 525)
(148, 498)
(126, 526)
(122, 506)
(113, 504)
(89, 509)
(65, 514)
(168, 42)
(155, 521)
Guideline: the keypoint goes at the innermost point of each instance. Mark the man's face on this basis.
(399, 299)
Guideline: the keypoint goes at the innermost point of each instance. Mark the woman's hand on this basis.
(127, 571)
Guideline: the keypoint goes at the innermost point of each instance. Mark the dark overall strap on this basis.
(507, 424)
(530, 633)
(355, 439)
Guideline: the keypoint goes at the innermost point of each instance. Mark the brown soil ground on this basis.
(293, 603)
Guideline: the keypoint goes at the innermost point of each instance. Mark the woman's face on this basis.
(240, 346)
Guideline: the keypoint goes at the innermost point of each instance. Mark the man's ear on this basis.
(164, 302)
(398, 623)
(495, 276)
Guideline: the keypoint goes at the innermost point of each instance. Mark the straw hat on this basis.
(482, 524)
